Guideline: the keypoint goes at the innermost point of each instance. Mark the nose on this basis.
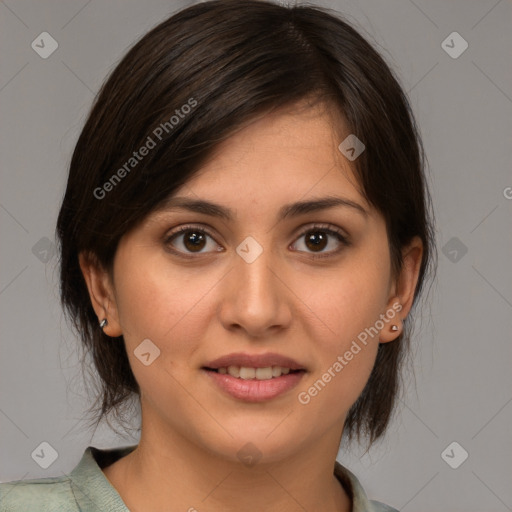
(255, 298)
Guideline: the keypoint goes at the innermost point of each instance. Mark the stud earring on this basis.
(103, 323)
(394, 328)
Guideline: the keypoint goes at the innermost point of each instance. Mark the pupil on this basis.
(317, 240)
(194, 239)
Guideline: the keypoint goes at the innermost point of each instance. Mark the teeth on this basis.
(264, 373)
(247, 373)
(243, 372)
(234, 371)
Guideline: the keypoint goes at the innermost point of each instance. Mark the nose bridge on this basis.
(255, 298)
(254, 268)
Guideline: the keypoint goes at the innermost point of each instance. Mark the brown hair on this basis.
(230, 61)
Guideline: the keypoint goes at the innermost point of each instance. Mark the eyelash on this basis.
(315, 228)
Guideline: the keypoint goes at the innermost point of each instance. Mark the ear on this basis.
(402, 293)
(101, 293)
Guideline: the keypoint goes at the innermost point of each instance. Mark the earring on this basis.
(394, 328)
(103, 323)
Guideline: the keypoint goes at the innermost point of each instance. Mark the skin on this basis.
(215, 303)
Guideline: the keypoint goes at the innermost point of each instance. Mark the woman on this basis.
(244, 234)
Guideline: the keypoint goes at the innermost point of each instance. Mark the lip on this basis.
(253, 390)
(255, 361)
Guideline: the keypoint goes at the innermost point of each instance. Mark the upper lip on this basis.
(255, 361)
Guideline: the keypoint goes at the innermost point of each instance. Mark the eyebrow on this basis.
(286, 211)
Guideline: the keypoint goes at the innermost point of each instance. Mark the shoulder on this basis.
(381, 507)
(360, 501)
(42, 494)
(84, 489)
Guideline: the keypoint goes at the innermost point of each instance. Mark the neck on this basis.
(169, 469)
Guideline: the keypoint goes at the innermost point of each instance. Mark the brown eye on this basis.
(189, 240)
(317, 238)
(194, 240)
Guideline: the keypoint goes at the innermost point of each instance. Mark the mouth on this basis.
(254, 377)
(250, 373)
(244, 365)
(248, 384)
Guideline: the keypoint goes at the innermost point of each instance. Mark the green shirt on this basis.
(87, 489)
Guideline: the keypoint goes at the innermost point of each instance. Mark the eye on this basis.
(194, 239)
(318, 237)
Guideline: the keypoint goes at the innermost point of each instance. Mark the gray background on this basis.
(462, 352)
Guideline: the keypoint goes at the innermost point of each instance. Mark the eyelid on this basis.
(188, 227)
(325, 226)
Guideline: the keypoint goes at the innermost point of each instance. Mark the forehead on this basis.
(282, 156)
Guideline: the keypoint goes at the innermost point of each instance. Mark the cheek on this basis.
(159, 302)
(347, 300)
(343, 362)
(347, 308)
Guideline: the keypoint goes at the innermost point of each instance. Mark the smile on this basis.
(246, 373)
(254, 384)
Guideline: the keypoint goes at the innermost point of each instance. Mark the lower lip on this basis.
(254, 390)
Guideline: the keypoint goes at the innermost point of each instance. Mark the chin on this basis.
(261, 443)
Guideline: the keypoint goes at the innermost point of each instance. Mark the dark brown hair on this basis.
(229, 61)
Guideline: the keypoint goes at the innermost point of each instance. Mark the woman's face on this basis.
(258, 283)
